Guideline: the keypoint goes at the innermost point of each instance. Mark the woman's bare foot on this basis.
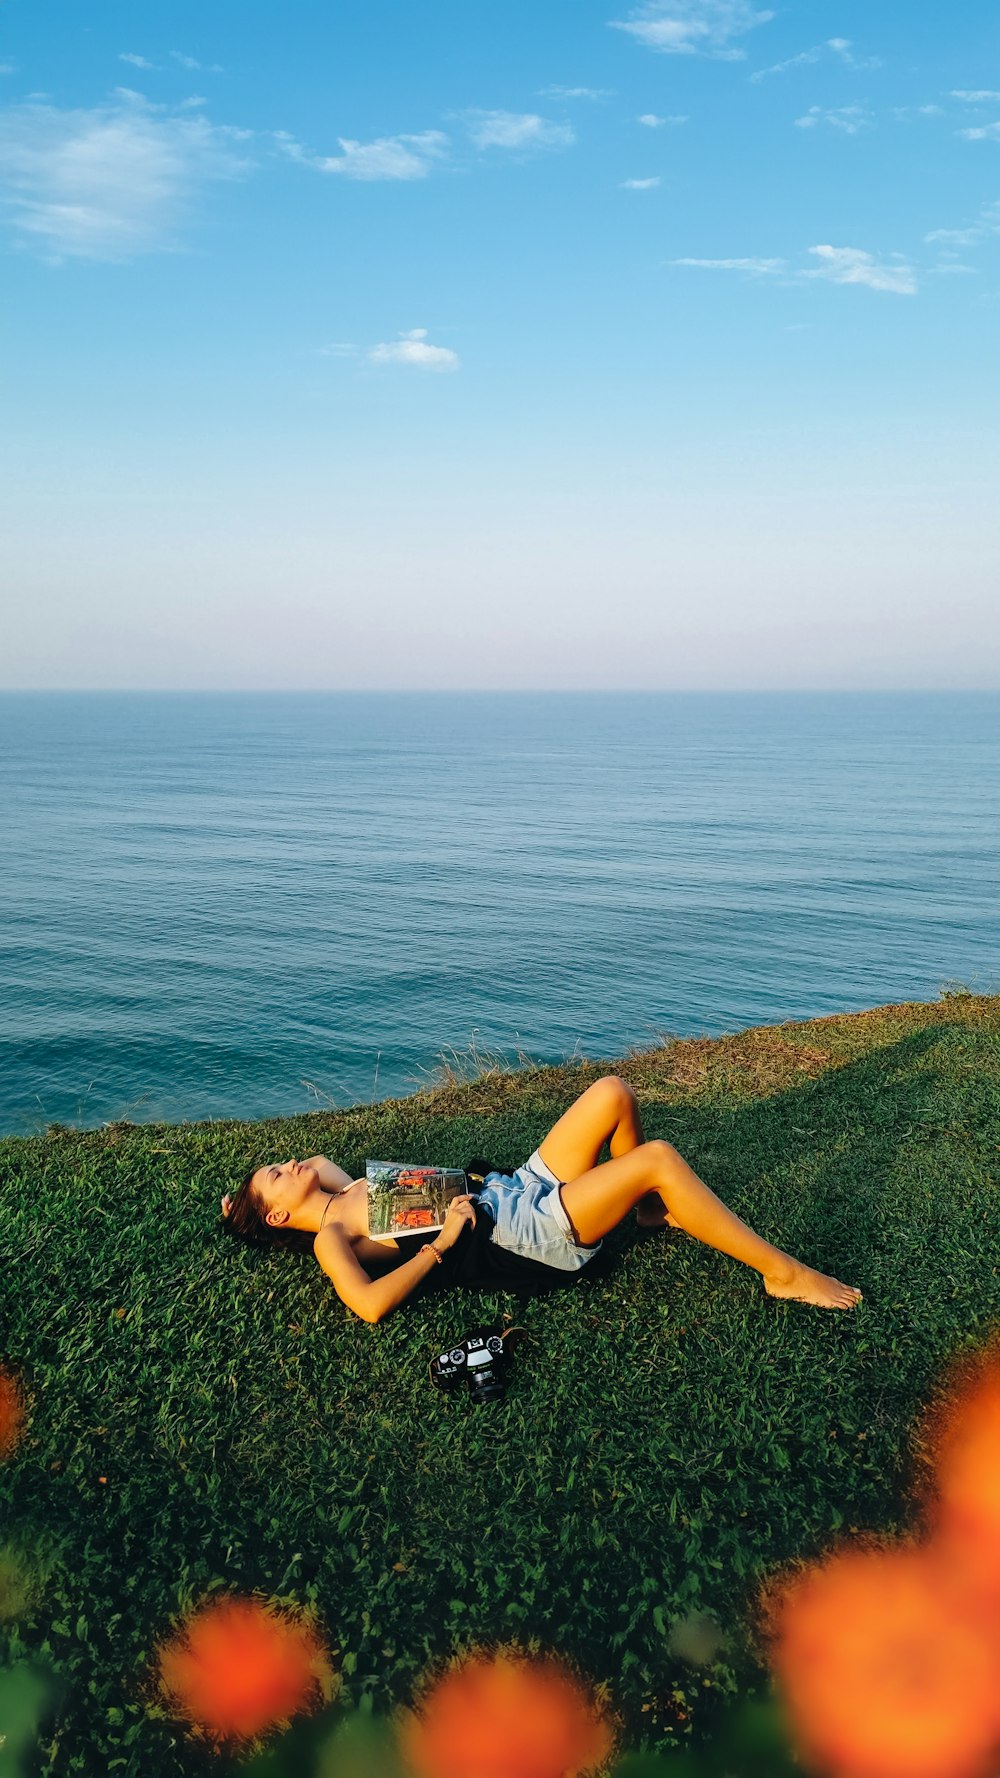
(803, 1285)
(652, 1213)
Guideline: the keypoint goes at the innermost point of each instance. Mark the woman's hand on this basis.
(460, 1211)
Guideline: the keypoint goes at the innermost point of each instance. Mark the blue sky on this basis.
(461, 342)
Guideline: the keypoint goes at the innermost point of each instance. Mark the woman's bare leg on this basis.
(608, 1111)
(596, 1202)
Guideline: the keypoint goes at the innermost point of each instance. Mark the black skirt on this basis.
(477, 1260)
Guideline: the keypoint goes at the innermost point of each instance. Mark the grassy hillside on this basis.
(201, 1416)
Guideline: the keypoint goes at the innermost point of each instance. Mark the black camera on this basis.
(479, 1361)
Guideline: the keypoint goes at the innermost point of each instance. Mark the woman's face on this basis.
(284, 1187)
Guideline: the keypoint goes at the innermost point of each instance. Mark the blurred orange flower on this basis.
(886, 1668)
(11, 1413)
(240, 1666)
(962, 1434)
(506, 1716)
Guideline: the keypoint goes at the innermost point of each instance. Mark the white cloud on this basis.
(192, 64)
(639, 184)
(575, 92)
(983, 97)
(851, 265)
(955, 237)
(109, 182)
(339, 349)
(6, 67)
(755, 268)
(516, 129)
(650, 121)
(692, 27)
(412, 348)
(987, 132)
(415, 156)
(840, 47)
(987, 223)
(852, 119)
(842, 265)
(902, 112)
(136, 61)
(388, 157)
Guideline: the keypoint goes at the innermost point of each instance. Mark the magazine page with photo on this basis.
(403, 1198)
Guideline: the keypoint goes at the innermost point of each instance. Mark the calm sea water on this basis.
(243, 905)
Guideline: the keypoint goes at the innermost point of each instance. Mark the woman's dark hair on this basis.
(245, 1221)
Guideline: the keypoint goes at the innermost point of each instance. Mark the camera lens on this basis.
(485, 1385)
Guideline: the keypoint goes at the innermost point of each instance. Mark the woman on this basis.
(545, 1223)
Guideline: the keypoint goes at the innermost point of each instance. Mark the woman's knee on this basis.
(662, 1157)
(616, 1094)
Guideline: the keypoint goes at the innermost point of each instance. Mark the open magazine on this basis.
(404, 1199)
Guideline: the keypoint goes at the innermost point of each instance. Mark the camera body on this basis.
(480, 1361)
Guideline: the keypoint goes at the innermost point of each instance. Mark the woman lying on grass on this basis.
(544, 1223)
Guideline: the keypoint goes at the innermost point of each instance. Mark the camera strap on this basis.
(477, 1172)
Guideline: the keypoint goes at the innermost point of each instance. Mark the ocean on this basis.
(244, 905)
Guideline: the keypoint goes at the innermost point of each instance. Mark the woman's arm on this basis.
(373, 1298)
(327, 1172)
(370, 1298)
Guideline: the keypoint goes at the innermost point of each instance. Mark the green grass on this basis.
(670, 1434)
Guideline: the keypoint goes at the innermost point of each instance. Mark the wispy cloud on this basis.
(640, 184)
(754, 268)
(987, 132)
(651, 121)
(575, 92)
(415, 156)
(852, 265)
(987, 223)
(954, 237)
(852, 119)
(387, 157)
(6, 68)
(516, 129)
(192, 64)
(839, 47)
(109, 182)
(693, 27)
(840, 265)
(413, 348)
(136, 61)
(983, 97)
(902, 112)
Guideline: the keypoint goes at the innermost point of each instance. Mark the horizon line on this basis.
(451, 691)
